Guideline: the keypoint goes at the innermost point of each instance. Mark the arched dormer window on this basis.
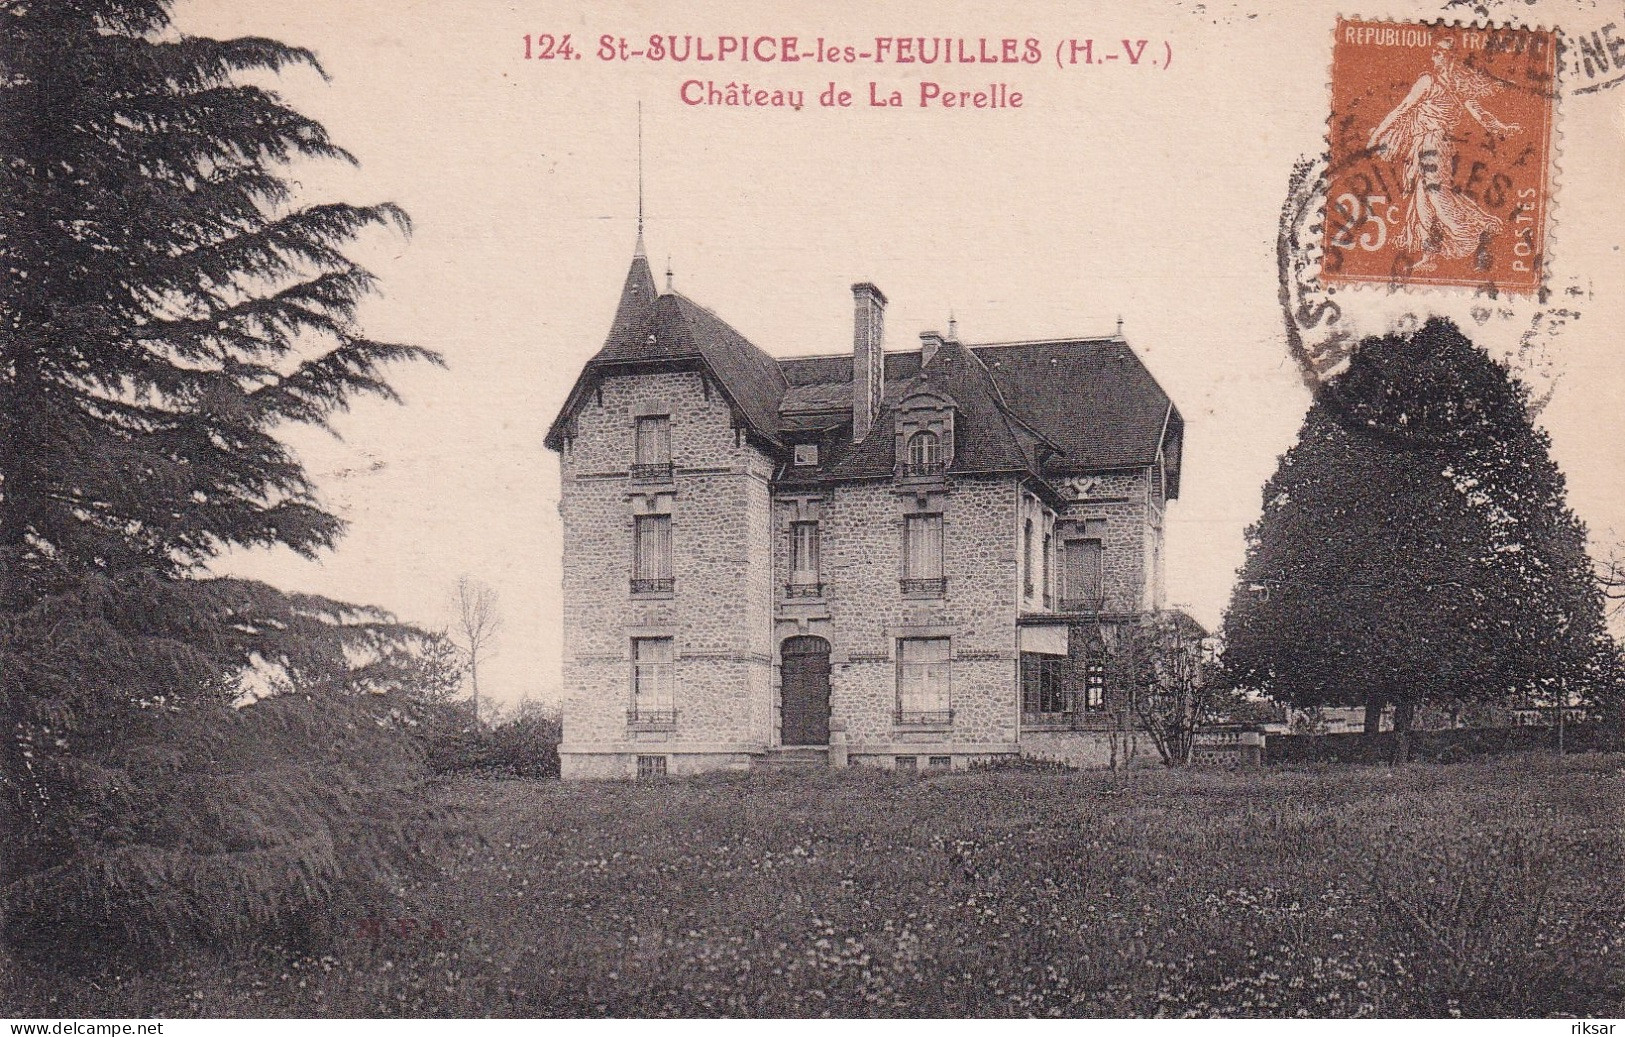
(925, 434)
(924, 453)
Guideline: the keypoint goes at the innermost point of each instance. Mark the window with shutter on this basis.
(651, 554)
(922, 555)
(1083, 591)
(651, 451)
(1028, 559)
(924, 681)
(652, 678)
(1049, 571)
(804, 580)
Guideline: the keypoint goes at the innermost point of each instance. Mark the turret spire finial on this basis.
(639, 250)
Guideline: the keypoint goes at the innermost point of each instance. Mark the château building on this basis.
(910, 558)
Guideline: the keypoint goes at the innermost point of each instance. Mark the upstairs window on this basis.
(1049, 571)
(1083, 591)
(803, 560)
(1028, 562)
(651, 457)
(652, 677)
(924, 681)
(922, 555)
(806, 454)
(651, 554)
(925, 454)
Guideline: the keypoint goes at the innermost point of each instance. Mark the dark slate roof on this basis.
(670, 329)
(1051, 407)
(631, 324)
(829, 397)
(1091, 397)
(750, 377)
(813, 370)
(986, 439)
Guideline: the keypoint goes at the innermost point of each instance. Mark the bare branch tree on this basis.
(1611, 580)
(1163, 661)
(477, 623)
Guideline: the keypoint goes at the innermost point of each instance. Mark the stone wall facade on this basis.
(730, 608)
(865, 610)
(718, 613)
(1123, 502)
(1089, 749)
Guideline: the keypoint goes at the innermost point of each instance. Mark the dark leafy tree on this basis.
(165, 307)
(1416, 547)
(429, 670)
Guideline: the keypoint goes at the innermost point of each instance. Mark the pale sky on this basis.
(1143, 192)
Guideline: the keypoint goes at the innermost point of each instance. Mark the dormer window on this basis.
(925, 434)
(924, 453)
(806, 454)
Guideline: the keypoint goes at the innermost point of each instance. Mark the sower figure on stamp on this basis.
(1420, 134)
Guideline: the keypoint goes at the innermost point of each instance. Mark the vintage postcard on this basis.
(762, 510)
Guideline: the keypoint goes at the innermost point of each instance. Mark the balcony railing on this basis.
(651, 718)
(924, 717)
(1084, 603)
(928, 585)
(657, 585)
(659, 472)
(919, 469)
(804, 590)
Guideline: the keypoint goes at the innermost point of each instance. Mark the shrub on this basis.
(1482, 915)
(525, 745)
(528, 744)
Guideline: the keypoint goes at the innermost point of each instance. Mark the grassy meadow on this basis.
(1488, 888)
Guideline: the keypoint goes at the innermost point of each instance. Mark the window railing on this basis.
(922, 468)
(657, 472)
(800, 589)
(937, 585)
(656, 585)
(924, 717)
(636, 717)
(1084, 603)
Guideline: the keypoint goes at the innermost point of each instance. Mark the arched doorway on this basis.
(804, 691)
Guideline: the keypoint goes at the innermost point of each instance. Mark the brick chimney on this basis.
(930, 342)
(868, 356)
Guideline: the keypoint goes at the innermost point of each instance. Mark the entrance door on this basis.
(804, 691)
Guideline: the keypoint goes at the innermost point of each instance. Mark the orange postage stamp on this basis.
(1441, 155)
